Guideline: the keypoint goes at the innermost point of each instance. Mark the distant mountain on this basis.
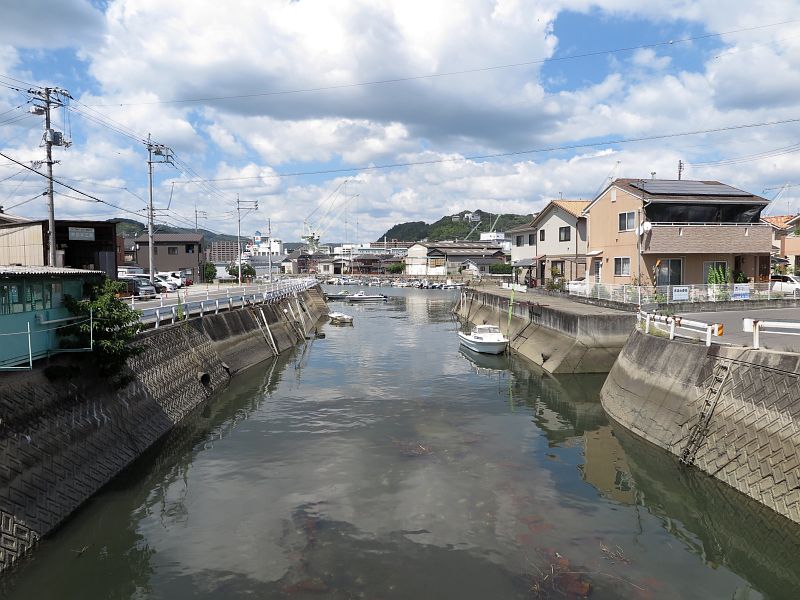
(453, 227)
(129, 228)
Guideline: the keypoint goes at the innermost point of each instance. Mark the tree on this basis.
(113, 327)
(396, 268)
(247, 270)
(209, 272)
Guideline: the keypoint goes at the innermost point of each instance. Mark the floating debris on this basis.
(412, 448)
(615, 554)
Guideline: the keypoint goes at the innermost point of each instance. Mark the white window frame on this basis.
(633, 220)
(621, 272)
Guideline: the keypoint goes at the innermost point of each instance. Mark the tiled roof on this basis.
(573, 207)
(779, 221)
(11, 270)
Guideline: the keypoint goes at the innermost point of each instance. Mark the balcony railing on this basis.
(707, 238)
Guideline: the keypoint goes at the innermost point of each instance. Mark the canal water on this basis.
(384, 462)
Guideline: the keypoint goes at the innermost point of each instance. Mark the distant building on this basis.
(445, 258)
(173, 252)
(222, 251)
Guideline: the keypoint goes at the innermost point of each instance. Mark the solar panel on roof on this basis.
(687, 188)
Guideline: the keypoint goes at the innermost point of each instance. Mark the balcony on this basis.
(707, 238)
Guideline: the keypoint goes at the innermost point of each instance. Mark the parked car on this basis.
(138, 287)
(578, 286)
(165, 283)
(173, 277)
(785, 284)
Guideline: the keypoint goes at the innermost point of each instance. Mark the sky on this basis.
(349, 117)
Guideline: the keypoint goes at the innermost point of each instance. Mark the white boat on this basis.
(362, 296)
(340, 318)
(487, 339)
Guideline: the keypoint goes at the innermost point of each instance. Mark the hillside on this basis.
(446, 229)
(129, 228)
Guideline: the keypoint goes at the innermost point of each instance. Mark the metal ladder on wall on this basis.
(710, 399)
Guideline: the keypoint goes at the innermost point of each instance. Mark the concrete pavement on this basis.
(732, 322)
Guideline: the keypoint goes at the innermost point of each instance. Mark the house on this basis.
(302, 261)
(478, 267)
(785, 242)
(674, 232)
(86, 245)
(173, 252)
(32, 307)
(523, 249)
(445, 258)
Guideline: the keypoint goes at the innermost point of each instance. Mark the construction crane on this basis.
(335, 203)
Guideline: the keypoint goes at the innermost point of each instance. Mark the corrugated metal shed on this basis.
(16, 271)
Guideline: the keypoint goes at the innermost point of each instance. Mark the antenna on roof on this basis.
(652, 174)
(560, 196)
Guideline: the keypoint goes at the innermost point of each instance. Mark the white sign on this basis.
(680, 292)
(741, 291)
(84, 234)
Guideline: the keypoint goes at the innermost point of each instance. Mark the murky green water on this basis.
(383, 462)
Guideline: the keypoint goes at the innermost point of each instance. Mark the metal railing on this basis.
(671, 294)
(757, 327)
(674, 324)
(215, 302)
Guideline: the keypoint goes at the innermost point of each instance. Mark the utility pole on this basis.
(199, 214)
(49, 96)
(166, 154)
(248, 205)
(680, 169)
(269, 247)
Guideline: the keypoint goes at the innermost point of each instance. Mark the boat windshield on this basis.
(487, 329)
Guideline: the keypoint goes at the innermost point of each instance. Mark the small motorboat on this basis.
(362, 296)
(487, 339)
(342, 295)
(338, 318)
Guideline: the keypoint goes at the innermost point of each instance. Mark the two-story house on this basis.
(447, 258)
(553, 244)
(673, 232)
(785, 241)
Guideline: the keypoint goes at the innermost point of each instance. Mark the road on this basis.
(732, 322)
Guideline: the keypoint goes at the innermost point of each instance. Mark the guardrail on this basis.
(157, 315)
(708, 330)
(757, 327)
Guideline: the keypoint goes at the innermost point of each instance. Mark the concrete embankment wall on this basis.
(734, 413)
(560, 341)
(61, 442)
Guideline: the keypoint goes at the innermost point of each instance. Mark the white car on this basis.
(173, 278)
(578, 286)
(785, 284)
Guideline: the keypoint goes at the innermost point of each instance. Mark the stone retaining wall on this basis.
(734, 413)
(559, 341)
(60, 443)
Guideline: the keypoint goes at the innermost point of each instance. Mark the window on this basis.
(518, 241)
(669, 271)
(563, 234)
(557, 268)
(622, 266)
(189, 248)
(531, 239)
(172, 250)
(718, 265)
(627, 221)
(541, 235)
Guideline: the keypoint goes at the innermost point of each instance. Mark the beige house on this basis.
(785, 241)
(673, 232)
(446, 258)
(553, 244)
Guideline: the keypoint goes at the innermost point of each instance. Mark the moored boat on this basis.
(487, 339)
(362, 296)
(339, 318)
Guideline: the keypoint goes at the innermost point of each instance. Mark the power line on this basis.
(451, 73)
(54, 180)
(513, 153)
(749, 157)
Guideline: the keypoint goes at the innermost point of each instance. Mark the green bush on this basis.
(501, 269)
(209, 272)
(247, 270)
(396, 268)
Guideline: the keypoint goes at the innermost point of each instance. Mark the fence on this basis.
(38, 342)
(668, 294)
(215, 302)
(758, 327)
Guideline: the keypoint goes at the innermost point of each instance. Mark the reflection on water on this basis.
(384, 462)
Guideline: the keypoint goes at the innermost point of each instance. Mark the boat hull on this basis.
(367, 299)
(482, 346)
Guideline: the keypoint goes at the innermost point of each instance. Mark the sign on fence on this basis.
(741, 291)
(680, 292)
